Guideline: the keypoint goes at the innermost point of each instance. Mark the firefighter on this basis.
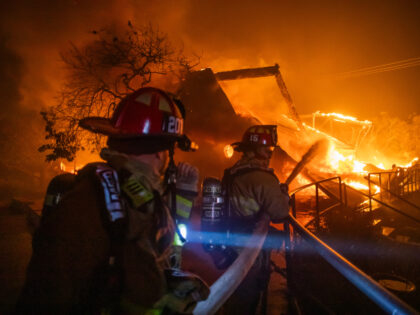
(105, 245)
(253, 189)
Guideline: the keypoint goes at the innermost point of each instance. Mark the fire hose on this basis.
(223, 288)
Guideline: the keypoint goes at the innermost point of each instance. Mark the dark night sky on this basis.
(313, 42)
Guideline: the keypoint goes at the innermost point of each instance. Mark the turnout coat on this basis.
(69, 269)
(252, 189)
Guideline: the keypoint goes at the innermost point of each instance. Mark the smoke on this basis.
(259, 98)
(19, 129)
(311, 41)
(31, 36)
(11, 71)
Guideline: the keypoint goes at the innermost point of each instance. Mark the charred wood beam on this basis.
(285, 93)
(247, 73)
(264, 72)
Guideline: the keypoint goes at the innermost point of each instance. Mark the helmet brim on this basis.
(237, 146)
(242, 147)
(104, 126)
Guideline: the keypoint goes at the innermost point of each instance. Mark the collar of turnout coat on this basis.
(137, 168)
(252, 163)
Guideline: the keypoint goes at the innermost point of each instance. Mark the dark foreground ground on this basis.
(15, 249)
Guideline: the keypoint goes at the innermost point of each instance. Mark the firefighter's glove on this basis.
(187, 177)
(184, 290)
(284, 188)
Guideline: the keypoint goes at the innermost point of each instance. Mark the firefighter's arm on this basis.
(187, 188)
(275, 200)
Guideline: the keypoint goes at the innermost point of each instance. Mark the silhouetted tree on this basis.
(100, 74)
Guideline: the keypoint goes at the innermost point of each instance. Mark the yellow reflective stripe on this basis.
(183, 230)
(183, 206)
(137, 193)
(246, 206)
(177, 240)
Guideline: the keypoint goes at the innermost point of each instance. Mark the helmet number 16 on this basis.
(253, 138)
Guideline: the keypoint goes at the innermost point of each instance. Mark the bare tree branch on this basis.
(100, 74)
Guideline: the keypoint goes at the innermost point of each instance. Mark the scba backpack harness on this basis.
(218, 220)
(109, 278)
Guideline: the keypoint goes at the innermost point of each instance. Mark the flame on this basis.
(358, 167)
(228, 151)
(357, 185)
(342, 163)
(70, 169)
(381, 166)
(360, 186)
(343, 118)
(412, 162)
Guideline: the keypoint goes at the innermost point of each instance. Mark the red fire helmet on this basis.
(148, 113)
(259, 135)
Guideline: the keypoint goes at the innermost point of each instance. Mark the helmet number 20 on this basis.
(174, 125)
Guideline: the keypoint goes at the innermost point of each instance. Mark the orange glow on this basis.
(413, 161)
(228, 151)
(343, 118)
(357, 185)
(302, 181)
(381, 166)
(341, 160)
(70, 168)
(360, 186)
(342, 163)
(351, 154)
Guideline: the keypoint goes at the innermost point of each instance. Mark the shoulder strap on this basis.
(243, 169)
(108, 178)
(57, 187)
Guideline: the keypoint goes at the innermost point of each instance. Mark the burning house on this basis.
(345, 158)
(352, 242)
